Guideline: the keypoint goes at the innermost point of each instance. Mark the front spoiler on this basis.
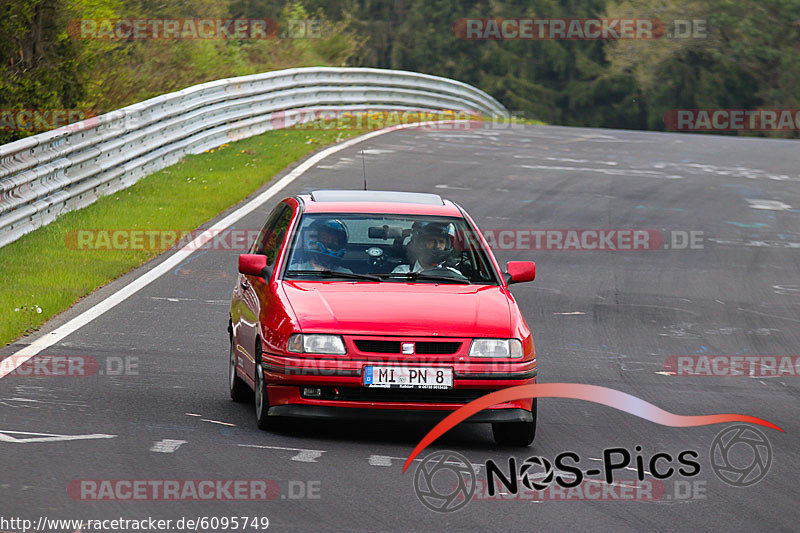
(404, 415)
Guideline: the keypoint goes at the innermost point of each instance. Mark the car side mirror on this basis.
(520, 271)
(254, 265)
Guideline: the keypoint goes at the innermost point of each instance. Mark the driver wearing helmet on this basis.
(431, 247)
(324, 246)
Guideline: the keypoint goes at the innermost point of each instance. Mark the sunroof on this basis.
(376, 196)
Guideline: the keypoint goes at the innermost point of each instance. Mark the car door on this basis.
(254, 290)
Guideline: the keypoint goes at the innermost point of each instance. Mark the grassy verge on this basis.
(529, 121)
(501, 122)
(43, 276)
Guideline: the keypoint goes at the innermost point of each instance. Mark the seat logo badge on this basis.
(408, 348)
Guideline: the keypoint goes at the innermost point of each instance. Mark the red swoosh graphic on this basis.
(577, 391)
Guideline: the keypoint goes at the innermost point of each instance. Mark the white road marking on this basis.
(451, 162)
(566, 160)
(772, 205)
(766, 314)
(167, 445)
(787, 289)
(386, 460)
(343, 162)
(607, 171)
(168, 299)
(10, 364)
(601, 139)
(304, 456)
(570, 313)
(5, 436)
(217, 422)
(453, 187)
(379, 460)
(192, 414)
(30, 400)
(757, 244)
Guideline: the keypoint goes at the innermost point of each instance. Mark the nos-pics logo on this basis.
(446, 481)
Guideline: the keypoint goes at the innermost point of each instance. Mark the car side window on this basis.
(272, 219)
(271, 236)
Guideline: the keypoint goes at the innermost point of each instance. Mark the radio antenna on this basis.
(364, 168)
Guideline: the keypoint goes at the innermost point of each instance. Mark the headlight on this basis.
(495, 348)
(326, 344)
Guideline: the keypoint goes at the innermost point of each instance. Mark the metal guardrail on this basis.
(46, 175)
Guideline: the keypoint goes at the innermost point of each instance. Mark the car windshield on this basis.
(388, 248)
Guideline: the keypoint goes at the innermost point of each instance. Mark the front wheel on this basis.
(240, 392)
(263, 420)
(516, 433)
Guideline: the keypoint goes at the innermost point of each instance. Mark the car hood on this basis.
(421, 309)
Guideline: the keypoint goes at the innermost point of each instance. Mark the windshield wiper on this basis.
(413, 276)
(333, 274)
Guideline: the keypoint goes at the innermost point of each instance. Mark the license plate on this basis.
(408, 377)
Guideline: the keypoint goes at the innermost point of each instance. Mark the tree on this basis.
(750, 58)
(40, 65)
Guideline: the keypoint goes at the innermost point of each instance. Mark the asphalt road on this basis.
(608, 318)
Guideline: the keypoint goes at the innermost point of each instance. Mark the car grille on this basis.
(422, 347)
(363, 394)
(443, 348)
(378, 346)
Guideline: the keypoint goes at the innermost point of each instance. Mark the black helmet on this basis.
(326, 253)
(435, 229)
(434, 256)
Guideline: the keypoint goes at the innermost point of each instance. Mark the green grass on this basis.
(43, 275)
(529, 121)
(514, 120)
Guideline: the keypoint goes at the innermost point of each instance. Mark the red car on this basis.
(378, 304)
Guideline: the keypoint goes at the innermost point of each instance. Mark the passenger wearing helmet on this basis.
(324, 245)
(432, 247)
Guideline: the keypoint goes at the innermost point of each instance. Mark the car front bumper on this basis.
(341, 380)
(502, 415)
(344, 396)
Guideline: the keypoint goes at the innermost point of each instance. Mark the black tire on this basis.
(263, 420)
(240, 392)
(516, 433)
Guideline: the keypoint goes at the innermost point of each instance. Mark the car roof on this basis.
(394, 202)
